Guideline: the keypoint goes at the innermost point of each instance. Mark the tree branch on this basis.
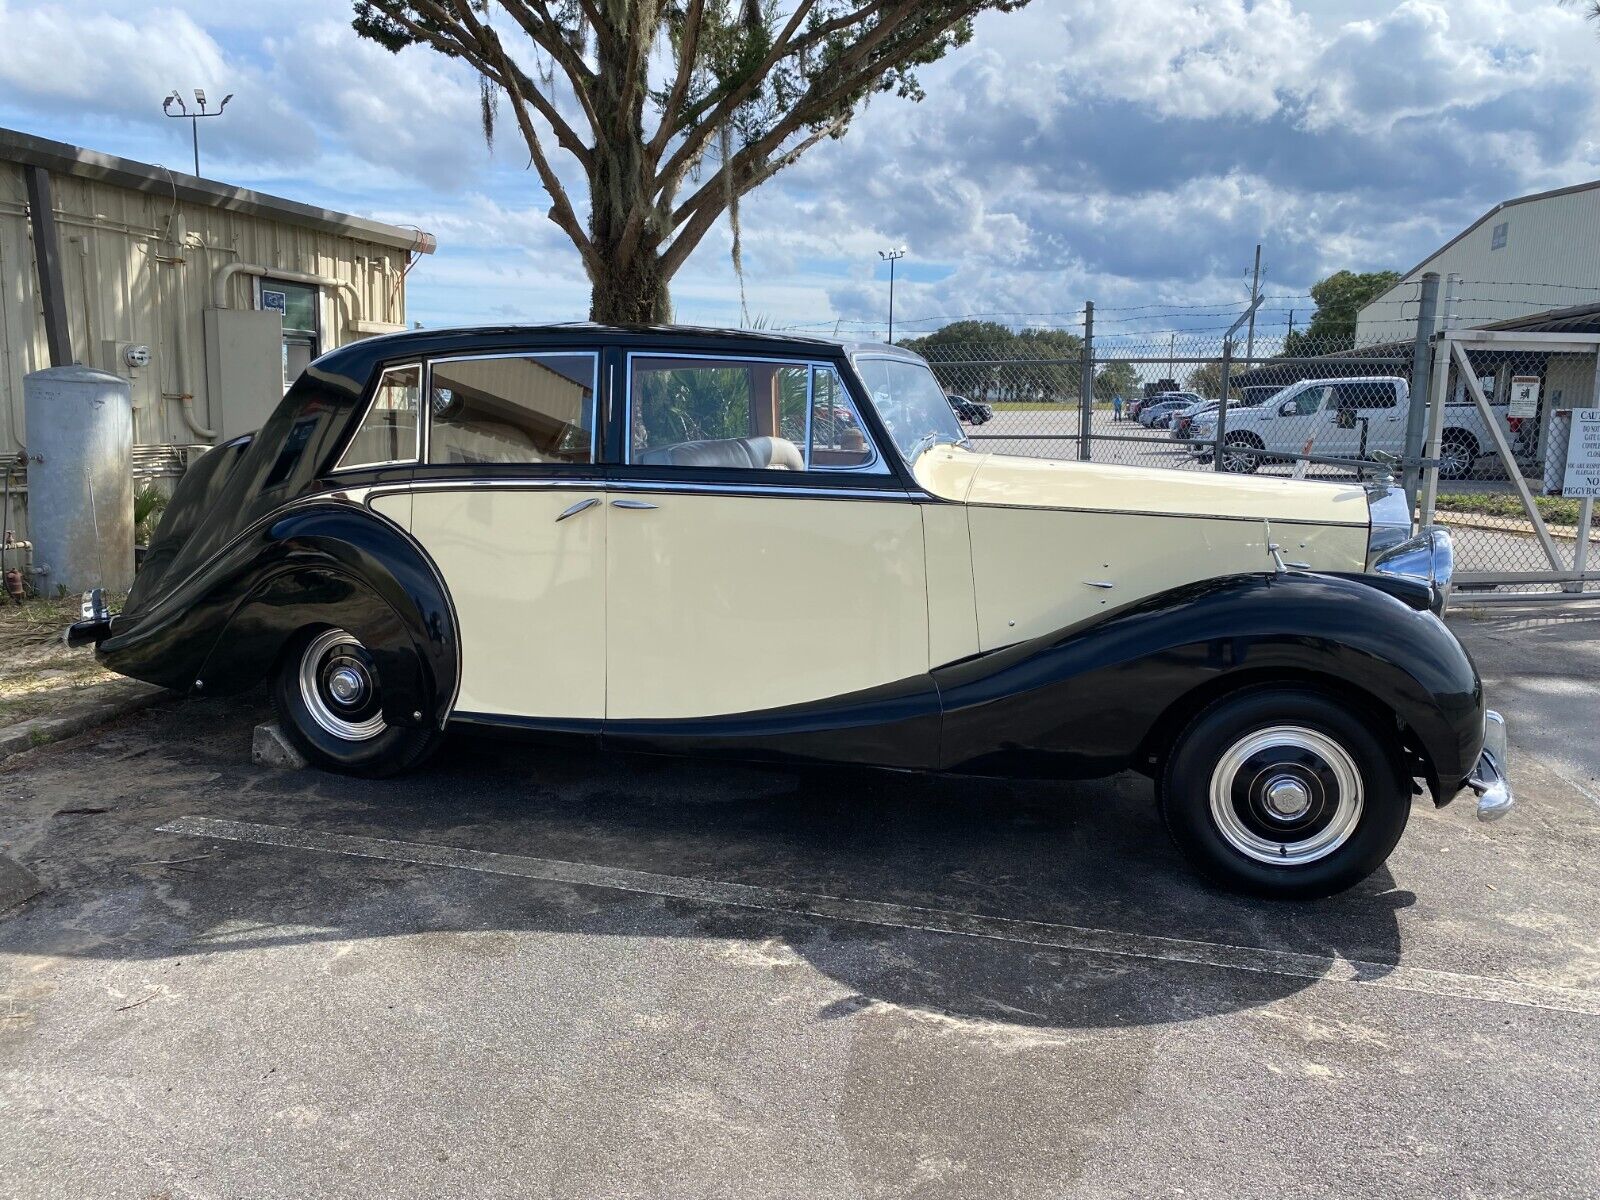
(694, 141)
(547, 36)
(700, 224)
(688, 47)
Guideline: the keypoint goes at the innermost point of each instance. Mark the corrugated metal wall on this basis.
(1551, 259)
(124, 283)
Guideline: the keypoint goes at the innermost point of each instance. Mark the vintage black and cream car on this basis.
(767, 547)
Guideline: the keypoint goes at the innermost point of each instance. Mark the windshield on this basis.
(910, 403)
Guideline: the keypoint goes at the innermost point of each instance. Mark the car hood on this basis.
(1004, 480)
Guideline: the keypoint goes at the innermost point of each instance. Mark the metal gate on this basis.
(1498, 423)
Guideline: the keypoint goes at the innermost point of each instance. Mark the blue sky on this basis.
(1129, 153)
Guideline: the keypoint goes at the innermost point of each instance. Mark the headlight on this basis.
(1427, 558)
(1391, 520)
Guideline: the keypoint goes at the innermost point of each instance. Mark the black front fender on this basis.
(1090, 699)
(222, 628)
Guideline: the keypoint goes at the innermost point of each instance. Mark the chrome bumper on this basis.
(1490, 779)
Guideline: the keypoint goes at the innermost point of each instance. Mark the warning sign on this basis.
(1524, 396)
(1582, 477)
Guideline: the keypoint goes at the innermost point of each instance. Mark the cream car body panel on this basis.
(721, 604)
(997, 479)
(529, 593)
(952, 606)
(1054, 543)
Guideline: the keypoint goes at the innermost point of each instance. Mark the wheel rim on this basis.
(1454, 460)
(339, 686)
(1286, 795)
(1235, 458)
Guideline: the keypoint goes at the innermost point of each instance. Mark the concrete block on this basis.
(270, 748)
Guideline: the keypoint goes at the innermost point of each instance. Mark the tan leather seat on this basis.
(762, 453)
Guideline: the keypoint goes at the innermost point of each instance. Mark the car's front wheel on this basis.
(1284, 793)
(328, 696)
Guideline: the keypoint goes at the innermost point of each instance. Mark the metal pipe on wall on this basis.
(177, 234)
(219, 285)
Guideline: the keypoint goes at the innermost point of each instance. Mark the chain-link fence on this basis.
(1322, 409)
(1486, 461)
(1500, 443)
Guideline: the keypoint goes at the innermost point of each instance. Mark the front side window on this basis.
(706, 412)
(522, 409)
(1304, 403)
(388, 432)
(910, 403)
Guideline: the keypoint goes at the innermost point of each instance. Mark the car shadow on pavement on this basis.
(1090, 857)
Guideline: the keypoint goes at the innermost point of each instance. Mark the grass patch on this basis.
(1557, 510)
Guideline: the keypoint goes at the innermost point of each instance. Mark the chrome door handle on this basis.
(631, 504)
(1105, 584)
(573, 510)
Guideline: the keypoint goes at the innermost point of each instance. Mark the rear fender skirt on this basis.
(1082, 702)
(332, 563)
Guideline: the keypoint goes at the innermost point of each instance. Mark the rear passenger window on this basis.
(702, 412)
(388, 432)
(512, 408)
(1366, 395)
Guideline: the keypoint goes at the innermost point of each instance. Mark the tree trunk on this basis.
(629, 284)
(631, 291)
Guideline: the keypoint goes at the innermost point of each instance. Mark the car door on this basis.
(1301, 417)
(1360, 417)
(760, 554)
(509, 503)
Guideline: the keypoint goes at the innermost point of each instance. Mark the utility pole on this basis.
(891, 257)
(1255, 299)
(1172, 353)
(194, 119)
(1289, 337)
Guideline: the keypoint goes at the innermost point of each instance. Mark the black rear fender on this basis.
(330, 564)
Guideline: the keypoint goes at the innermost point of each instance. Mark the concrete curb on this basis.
(96, 705)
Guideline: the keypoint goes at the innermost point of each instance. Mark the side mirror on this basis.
(1286, 408)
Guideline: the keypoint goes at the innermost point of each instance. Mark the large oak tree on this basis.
(672, 110)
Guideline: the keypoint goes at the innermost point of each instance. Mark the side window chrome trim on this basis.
(812, 365)
(366, 411)
(594, 398)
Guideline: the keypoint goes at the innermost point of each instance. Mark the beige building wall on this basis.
(138, 268)
(1550, 259)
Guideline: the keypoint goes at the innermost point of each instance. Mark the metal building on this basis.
(207, 298)
(1523, 256)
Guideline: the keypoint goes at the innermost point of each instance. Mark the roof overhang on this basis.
(60, 158)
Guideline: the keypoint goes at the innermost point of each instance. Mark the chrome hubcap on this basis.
(1286, 795)
(338, 686)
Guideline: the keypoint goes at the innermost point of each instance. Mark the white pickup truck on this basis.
(1340, 418)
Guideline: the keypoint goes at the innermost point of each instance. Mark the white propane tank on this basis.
(79, 428)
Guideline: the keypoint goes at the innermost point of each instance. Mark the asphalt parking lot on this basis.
(535, 973)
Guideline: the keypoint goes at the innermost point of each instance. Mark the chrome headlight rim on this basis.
(1428, 557)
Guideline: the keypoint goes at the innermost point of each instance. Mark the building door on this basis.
(298, 304)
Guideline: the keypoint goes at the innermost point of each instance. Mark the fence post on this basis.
(1222, 409)
(1086, 384)
(1421, 374)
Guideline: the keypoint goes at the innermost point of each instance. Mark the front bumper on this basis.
(1490, 779)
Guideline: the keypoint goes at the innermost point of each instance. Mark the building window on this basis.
(297, 304)
(1497, 240)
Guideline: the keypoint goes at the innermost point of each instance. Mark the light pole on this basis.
(891, 257)
(183, 114)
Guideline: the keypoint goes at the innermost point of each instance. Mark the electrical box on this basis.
(134, 362)
(244, 369)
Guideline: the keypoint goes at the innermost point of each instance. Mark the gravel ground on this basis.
(523, 972)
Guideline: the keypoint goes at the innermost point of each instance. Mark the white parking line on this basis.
(1076, 938)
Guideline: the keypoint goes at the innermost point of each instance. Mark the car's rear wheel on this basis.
(1284, 793)
(1237, 453)
(328, 696)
